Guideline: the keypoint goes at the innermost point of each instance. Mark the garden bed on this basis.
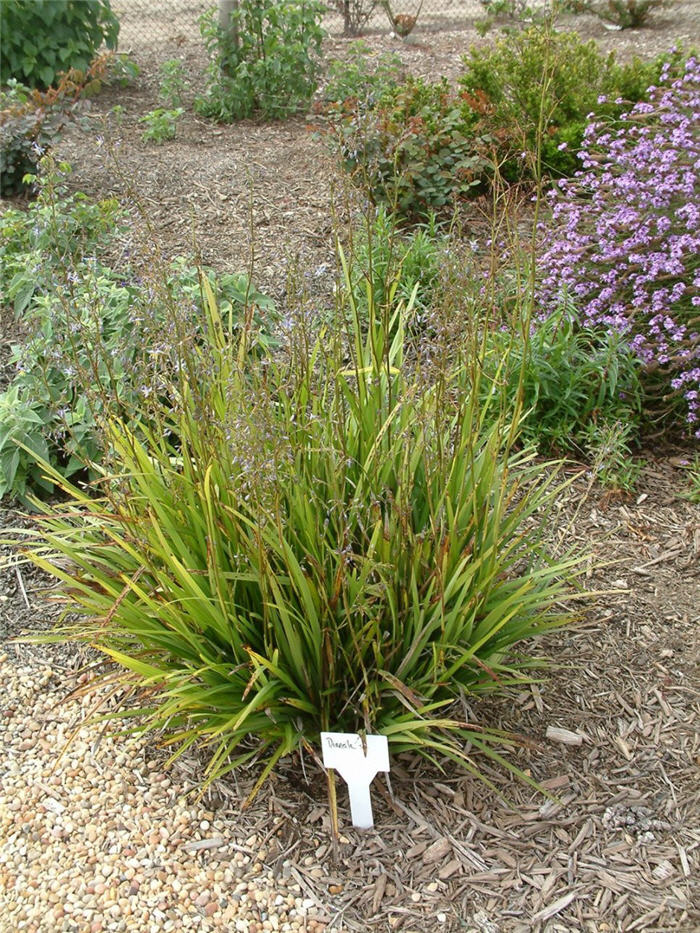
(105, 839)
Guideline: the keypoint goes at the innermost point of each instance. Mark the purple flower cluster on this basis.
(627, 244)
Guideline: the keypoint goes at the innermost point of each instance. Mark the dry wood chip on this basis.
(452, 867)
(555, 734)
(416, 850)
(552, 783)
(199, 845)
(644, 920)
(506, 857)
(437, 851)
(624, 747)
(379, 889)
(663, 870)
(684, 861)
(554, 908)
(663, 704)
(582, 834)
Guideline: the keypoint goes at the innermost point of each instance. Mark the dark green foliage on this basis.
(31, 120)
(266, 63)
(414, 149)
(580, 388)
(160, 124)
(39, 39)
(360, 79)
(172, 83)
(535, 90)
(28, 125)
(392, 265)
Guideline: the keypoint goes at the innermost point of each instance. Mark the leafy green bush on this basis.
(267, 62)
(391, 265)
(333, 543)
(31, 121)
(39, 39)
(21, 426)
(415, 149)
(161, 124)
(535, 90)
(26, 129)
(361, 78)
(172, 84)
(53, 234)
(574, 384)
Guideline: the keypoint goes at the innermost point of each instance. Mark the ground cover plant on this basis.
(93, 329)
(580, 388)
(400, 265)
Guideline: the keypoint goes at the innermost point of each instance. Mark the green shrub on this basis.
(360, 79)
(266, 63)
(391, 265)
(22, 441)
(31, 122)
(536, 89)
(51, 236)
(42, 38)
(575, 385)
(26, 129)
(161, 124)
(172, 83)
(333, 543)
(121, 70)
(415, 149)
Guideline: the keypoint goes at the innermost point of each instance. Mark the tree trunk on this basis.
(226, 9)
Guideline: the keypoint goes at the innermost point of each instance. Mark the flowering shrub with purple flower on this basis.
(629, 236)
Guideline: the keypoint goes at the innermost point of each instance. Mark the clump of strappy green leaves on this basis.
(340, 539)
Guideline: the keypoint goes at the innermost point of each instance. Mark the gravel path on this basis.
(106, 841)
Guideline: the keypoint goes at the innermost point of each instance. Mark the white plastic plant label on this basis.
(344, 752)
